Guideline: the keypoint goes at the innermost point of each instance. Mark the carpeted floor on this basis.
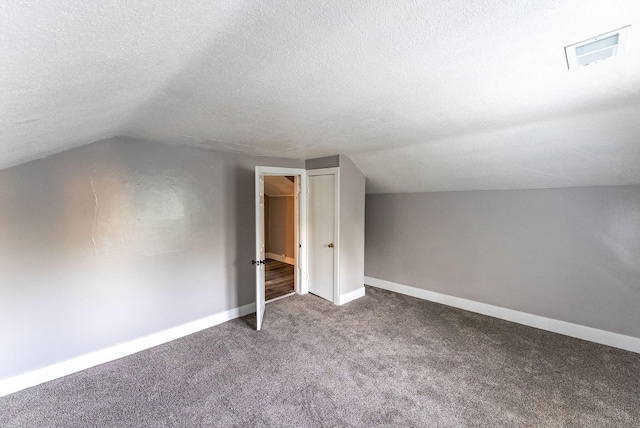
(382, 360)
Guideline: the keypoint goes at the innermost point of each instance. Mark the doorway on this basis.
(323, 245)
(279, 235)
(299, 252)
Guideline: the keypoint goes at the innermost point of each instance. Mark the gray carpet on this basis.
(382, 360)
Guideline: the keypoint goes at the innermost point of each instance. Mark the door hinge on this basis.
(259, 262)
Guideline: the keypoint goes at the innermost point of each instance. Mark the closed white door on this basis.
(321, 235)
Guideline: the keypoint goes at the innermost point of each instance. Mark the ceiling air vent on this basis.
(597, 48)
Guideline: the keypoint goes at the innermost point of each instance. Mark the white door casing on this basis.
(296, 249)
(323, 233)
(301, 235)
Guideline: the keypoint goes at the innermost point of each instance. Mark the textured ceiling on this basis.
(422, 96)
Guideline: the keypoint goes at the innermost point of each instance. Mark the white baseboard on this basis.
(352, 295)
(603, 337)
(281, 258)
(64, 368)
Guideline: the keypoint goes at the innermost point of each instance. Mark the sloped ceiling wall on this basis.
(422, 96)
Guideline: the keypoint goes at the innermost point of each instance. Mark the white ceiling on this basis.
(422, 96)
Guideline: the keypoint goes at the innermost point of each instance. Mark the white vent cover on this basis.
(597, 48)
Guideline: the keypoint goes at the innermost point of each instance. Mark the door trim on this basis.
(300, 244)
(336, 225)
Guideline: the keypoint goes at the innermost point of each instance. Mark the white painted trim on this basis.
(591, 334)
(301, 223)
(302, 259)
(281, 258)
(276, 170)
(336, 253)
(274, 256)
(351, 296)
(73, 365)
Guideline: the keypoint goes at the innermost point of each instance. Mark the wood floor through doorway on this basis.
(278, 280)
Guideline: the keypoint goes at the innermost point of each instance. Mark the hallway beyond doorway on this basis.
(278, 279)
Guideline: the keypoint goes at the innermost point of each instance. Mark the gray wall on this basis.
(567, 254)
(326, 162)
(117, 240)
(352, 206)
(282, 225)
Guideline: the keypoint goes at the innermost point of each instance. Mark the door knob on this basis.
(331, 245)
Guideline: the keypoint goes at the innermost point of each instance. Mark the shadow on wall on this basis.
(46, 211)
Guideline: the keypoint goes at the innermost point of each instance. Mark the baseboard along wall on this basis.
(281, 258)
(628, 343)
(352, 295)
(64, 368)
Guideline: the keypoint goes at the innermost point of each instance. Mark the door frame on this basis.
(336, 225)
(300, 219)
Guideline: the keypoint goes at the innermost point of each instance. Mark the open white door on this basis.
(260, 258)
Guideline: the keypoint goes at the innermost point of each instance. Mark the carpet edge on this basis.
(92, 359)
(603, 337)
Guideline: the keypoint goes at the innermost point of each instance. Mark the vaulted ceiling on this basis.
(422, 96)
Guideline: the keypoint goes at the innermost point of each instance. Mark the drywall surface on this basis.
(326, 162)
(352, 205)
(282, 225)
(567, 254)
(120, 239)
